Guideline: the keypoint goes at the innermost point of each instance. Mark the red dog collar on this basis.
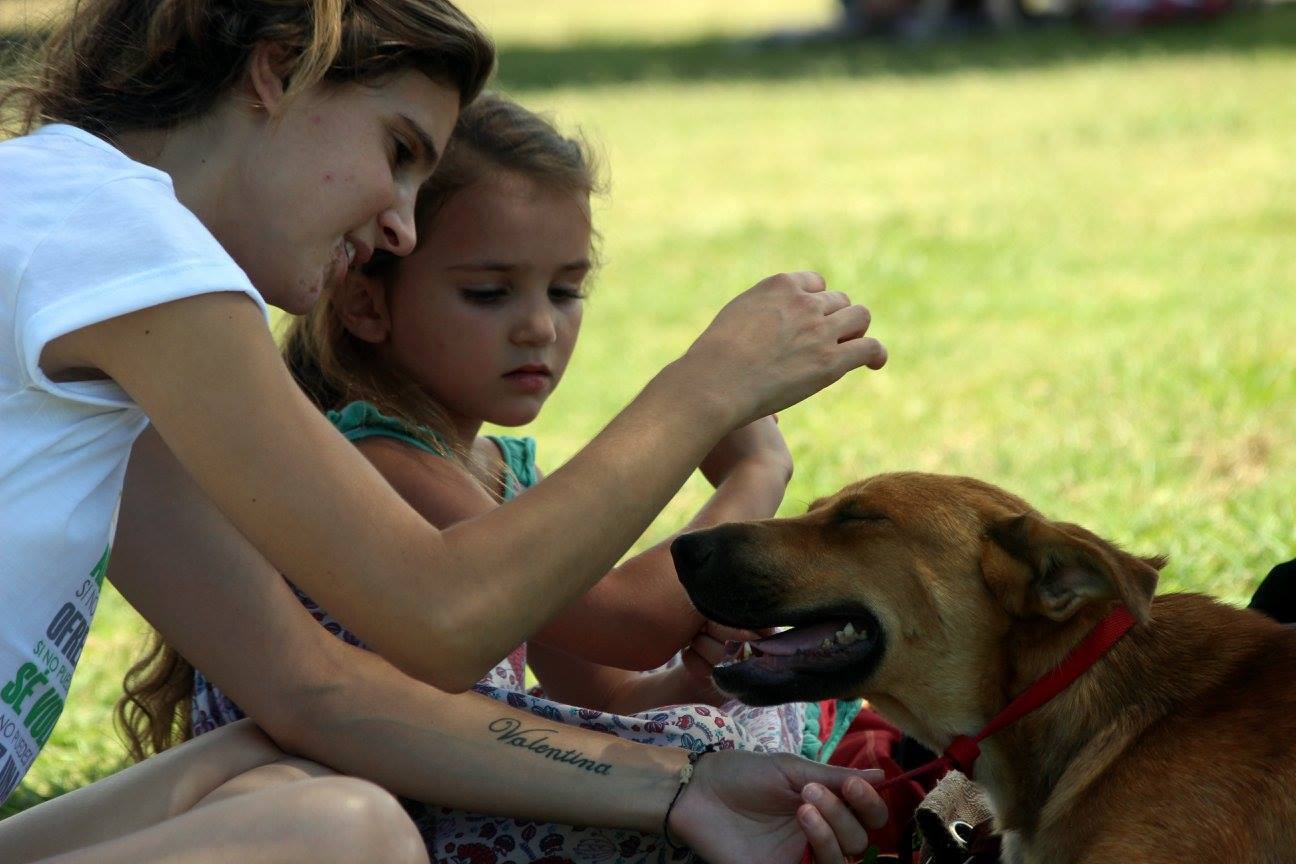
(963, 751)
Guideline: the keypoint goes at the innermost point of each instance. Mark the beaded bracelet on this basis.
(686, 774)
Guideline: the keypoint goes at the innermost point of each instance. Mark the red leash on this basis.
(963, 751)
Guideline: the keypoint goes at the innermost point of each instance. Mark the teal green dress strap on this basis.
(810, 743)
(359, 420)
(847, 711)
(519, 462)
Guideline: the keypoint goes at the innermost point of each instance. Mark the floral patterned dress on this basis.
(459, 837)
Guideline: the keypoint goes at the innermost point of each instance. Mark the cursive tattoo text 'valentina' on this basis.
(510, 732)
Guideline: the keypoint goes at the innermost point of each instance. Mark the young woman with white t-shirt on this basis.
(200, 159)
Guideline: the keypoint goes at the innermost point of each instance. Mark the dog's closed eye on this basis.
(854, 514)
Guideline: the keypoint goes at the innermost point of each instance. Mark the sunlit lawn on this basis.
(1081, 252)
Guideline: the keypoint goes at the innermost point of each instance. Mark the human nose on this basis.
(536, 326)
(396, 226)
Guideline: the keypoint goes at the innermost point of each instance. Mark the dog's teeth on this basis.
(745, 652)
(848, 635)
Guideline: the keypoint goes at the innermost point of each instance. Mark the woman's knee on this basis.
(243, 742)
(199, 768)
(288, 769)
(352, 819)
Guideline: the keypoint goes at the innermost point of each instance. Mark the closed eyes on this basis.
(487, 294)
(862, 516)
(566, 293)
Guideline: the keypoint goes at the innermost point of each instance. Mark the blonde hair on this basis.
(334, 367)
(118, 65)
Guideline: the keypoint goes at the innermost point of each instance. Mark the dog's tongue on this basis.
(799, 639)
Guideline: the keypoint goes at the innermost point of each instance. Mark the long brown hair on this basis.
(118, 65)
(335, 368)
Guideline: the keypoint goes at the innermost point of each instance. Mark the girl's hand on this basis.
(742, 808)
(780, 341)
(688, 683)
(645, 691)
(703, 654)
(758, 443)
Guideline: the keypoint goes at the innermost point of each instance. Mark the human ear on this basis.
(361, 304)
(1055, 569)
(265, 80)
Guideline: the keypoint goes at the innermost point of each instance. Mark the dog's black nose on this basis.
(691, 552)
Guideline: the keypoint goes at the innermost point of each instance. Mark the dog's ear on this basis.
(1055, 569)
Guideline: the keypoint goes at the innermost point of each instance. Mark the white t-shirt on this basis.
(86, 235)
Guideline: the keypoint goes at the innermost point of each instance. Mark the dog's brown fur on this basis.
(1179, 746)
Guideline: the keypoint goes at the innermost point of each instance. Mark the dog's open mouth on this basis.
(816, 642)
(821, 660)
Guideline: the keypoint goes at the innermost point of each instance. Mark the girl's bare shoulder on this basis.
(441, 489)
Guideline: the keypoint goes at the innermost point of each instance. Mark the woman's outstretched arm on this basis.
(218, 602)
(209, 376)
(638, 616)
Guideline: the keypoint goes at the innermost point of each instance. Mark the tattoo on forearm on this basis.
(510, 731)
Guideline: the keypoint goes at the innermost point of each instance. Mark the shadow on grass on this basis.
(603, 63)
(593, 64)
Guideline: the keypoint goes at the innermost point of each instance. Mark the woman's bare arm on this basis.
(638, 615)
(227, 610)
(208, 375)
(229, 613)
(635, 618)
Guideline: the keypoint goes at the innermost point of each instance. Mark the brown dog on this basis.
(1178, 746)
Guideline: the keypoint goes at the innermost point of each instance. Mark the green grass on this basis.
(1078, 249)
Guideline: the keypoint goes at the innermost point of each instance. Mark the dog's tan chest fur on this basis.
(1194, 763)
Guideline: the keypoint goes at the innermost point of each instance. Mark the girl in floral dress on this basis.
(409, 358)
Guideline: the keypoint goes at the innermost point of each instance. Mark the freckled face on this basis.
(485, 314)
(334, 179)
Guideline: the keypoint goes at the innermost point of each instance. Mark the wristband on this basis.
(686, 774)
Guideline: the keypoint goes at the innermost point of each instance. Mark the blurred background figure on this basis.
(923, 19)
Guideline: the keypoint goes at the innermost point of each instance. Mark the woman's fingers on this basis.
(833, 302)
(864, 800)
(850, 321)
(865, 351)
(806, 280)
(849, 834)
(855, 786)
(819, 834)
(779, 342)
(848, 325)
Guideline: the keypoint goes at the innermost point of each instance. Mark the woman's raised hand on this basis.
(778, 342)
(748, 808)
